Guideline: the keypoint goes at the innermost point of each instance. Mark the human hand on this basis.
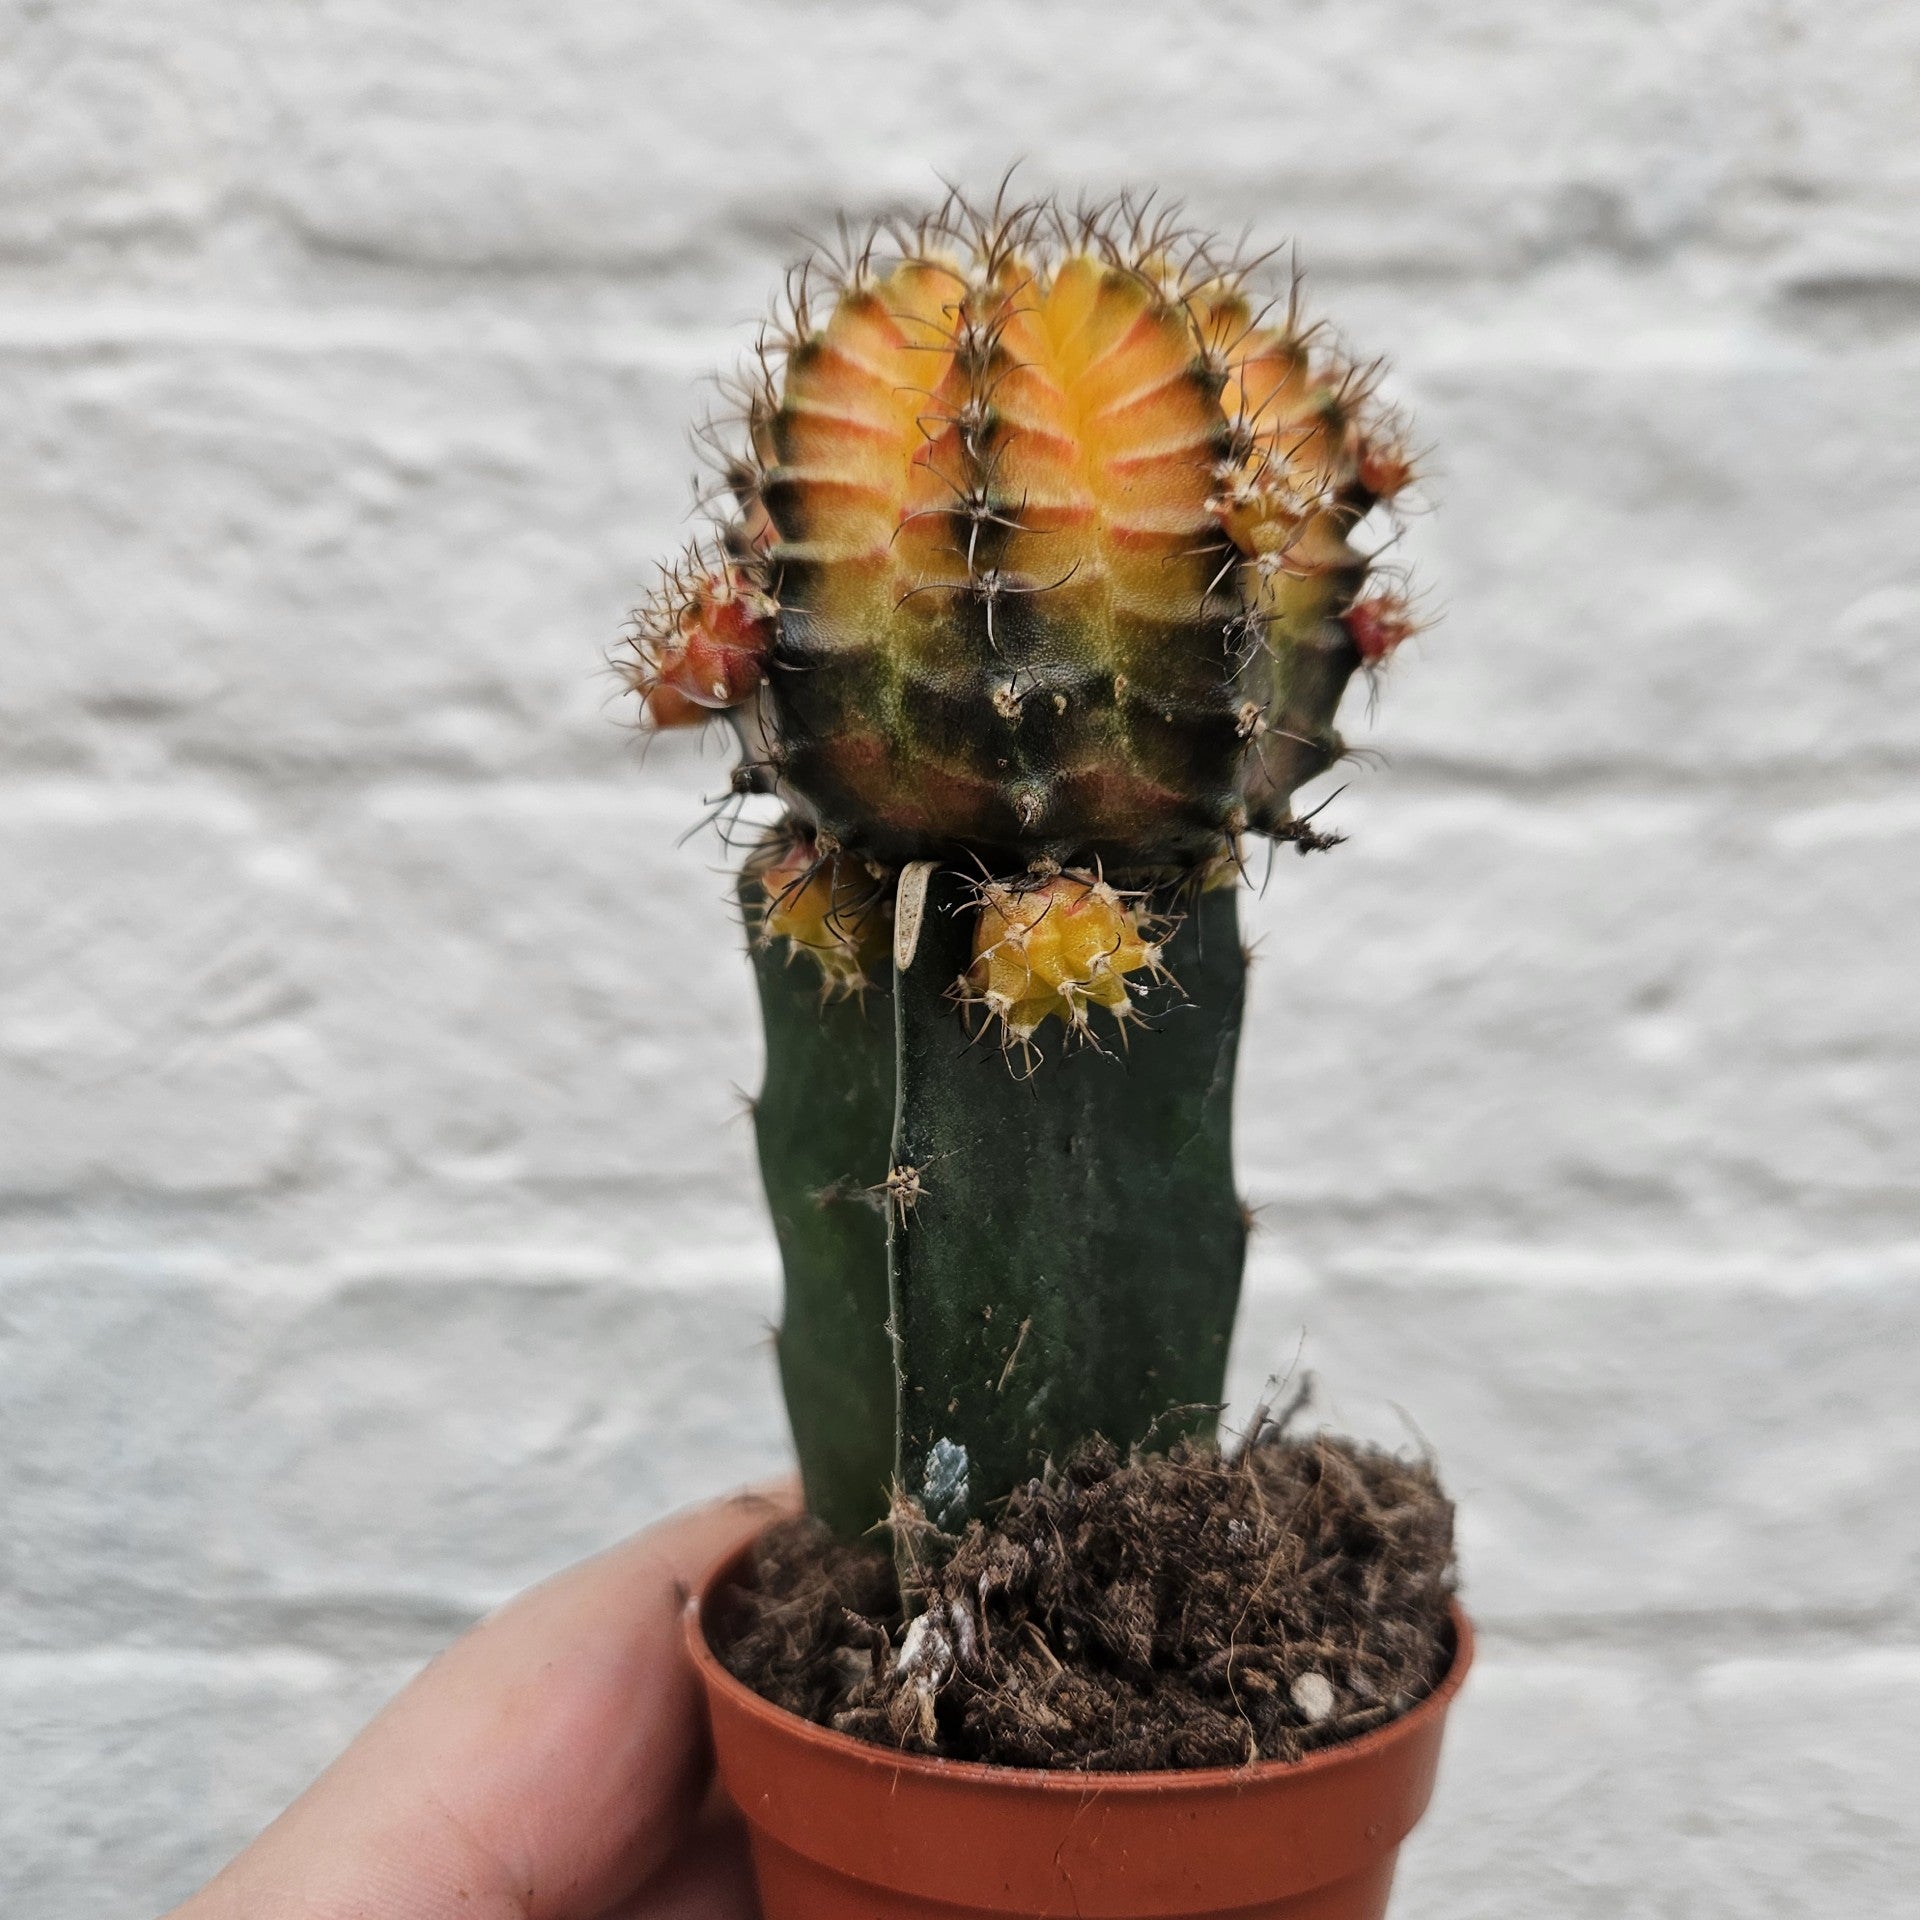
(551, 1765)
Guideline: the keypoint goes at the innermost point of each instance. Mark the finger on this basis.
(709, 1878)
(542, 1768)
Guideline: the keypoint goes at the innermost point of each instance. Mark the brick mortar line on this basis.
(1749, 339)
(1707, 1636)
(743, 1270)
(725, 1273)
(1767, 792)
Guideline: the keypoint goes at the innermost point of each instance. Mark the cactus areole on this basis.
(1043, 565)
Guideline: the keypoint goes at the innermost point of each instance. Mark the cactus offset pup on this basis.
(1043, 571)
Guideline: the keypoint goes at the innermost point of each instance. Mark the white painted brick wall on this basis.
(377, 1231)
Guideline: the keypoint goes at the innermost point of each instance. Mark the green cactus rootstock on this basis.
(984, 1267)
(1065, 1248)
(1044, 560)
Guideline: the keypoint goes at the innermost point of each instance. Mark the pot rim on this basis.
(1079, 1781)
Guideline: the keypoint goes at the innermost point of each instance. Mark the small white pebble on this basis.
(926, 1654)
(966, 1643)
(1313, 1695)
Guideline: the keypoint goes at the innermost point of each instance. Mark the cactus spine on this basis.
(1041, 582)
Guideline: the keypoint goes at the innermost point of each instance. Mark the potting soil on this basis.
(1186, 1609)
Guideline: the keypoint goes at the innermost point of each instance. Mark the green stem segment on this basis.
(1071, 1264)
(823, 1123)
(1062, 1252)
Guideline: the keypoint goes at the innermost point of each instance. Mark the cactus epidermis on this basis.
(1044, 547)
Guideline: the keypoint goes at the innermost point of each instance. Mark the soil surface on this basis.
(1189, 1609)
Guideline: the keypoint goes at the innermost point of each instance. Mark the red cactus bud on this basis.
(1384, 468)
(1379, 625)
(702, 640)
(723, 644)
(666, 706)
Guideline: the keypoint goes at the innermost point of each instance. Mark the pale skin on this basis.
(551, 1765)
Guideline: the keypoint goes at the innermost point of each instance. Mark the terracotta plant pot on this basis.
(847, 1831)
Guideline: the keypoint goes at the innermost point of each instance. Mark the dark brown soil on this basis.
(1179, 1610)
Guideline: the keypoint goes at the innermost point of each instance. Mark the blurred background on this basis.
(380, 1231)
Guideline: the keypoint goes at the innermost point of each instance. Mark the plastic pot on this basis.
(842, 1830)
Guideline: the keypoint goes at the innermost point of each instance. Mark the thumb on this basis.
(540, 1769)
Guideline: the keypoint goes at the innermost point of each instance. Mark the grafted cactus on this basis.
(1043, 577)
